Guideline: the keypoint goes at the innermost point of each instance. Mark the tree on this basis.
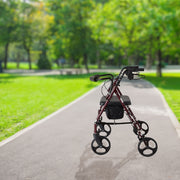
(156, 18)
(43, 20)
(8, 25)
(27, 27)
(71, 31)
(139, 28)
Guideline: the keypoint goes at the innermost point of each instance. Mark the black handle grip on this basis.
(94, 78)
(140, 69)
(99, 77)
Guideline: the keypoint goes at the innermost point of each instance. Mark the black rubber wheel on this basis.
(144, 128)
(104, 130)
(147, 146)
(101, 148)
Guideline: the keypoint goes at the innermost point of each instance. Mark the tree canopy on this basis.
(116, 32)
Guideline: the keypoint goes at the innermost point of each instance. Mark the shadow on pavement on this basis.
(98, 167)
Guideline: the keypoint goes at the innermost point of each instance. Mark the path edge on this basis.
(171, 114)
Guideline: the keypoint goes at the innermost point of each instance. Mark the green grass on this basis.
(27, 99)
(24, 65)
(169, 85)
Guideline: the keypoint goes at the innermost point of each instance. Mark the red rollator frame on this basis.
(115, 104)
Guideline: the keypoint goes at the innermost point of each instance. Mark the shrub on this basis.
(43, 62)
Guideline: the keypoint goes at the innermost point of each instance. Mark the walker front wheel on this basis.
(147, 146)
(101, 148)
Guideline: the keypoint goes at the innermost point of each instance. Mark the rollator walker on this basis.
(114, 104)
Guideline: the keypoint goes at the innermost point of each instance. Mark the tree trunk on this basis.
(18, 60)
(98, 59)
(130, 60)
(149, 61)
(119, 60)
(6, 55)
(149, 58)
(1, 69)
(72, 62)
(27, 48)
(29, 58)
(159, 57)
(159, 65)
(86, 62)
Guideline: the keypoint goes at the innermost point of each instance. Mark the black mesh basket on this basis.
(114, 111)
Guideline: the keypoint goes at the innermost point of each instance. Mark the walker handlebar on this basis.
(94, 78)
(99, 77)
(128, 70)
(141, 69)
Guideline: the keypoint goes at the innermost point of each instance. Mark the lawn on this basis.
(25, 66)
(169, 85)
(27, 99)
(22, 65)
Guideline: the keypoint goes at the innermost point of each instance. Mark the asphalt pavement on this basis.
(59, 148)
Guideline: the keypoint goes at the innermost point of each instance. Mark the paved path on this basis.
(59, 148)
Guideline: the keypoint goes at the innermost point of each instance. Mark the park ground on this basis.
(59, 146)
(29, 96)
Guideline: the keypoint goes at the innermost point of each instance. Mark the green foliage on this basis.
(8, 21)
(72, 35)
(92, 31)
(138, 28)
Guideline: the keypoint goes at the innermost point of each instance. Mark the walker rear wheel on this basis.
(104, 130)
(144, 128)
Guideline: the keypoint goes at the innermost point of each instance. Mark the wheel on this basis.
(101, 148)
(104, 130)
(144, 128)
(147, 146)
